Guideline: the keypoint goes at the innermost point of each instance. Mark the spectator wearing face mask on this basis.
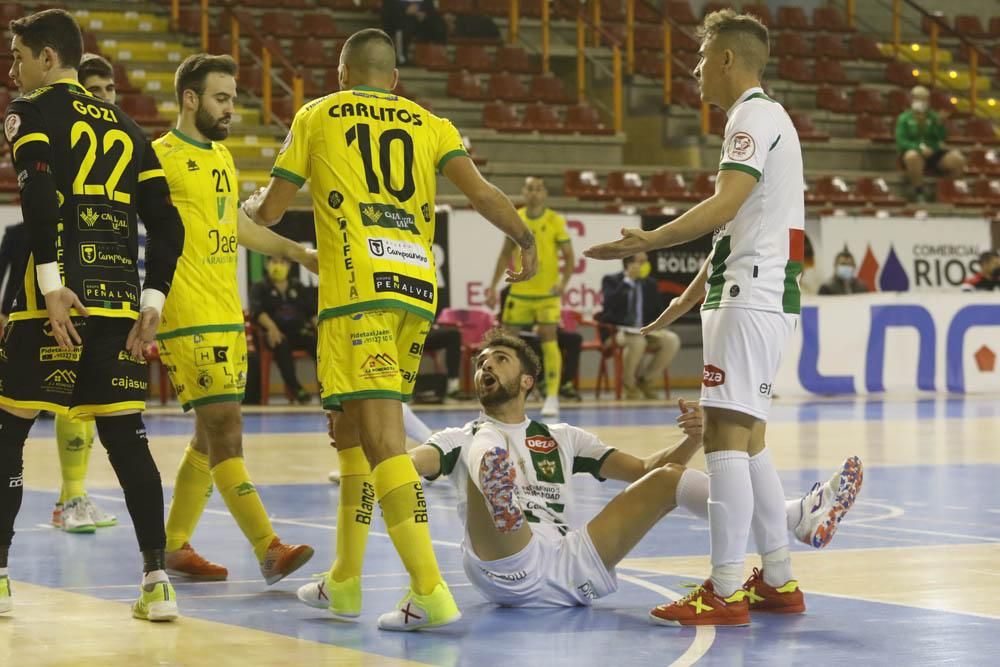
(988, 276)
(920, 136)
(844, 280)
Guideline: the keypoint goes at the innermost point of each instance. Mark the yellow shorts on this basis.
(209, 367)
(526, 311)
(374, 354)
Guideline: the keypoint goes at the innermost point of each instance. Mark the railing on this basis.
(267, 56)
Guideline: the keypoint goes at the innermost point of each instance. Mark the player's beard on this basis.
(500, 394)
(209, 126)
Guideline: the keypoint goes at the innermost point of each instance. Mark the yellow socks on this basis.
(404, 508)
(192, 490)
(74, 439)
(552, 360)
(354, 513)
(233, 481)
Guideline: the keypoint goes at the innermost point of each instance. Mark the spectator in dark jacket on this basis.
(845, 279)
(630, 303)
(988, 276)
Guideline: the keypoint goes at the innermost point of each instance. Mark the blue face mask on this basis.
(845, 271)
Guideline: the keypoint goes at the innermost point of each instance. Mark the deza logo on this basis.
(909, 316)
(541, 444)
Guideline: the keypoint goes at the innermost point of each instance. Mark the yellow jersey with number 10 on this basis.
(371, 158)
(205, 293)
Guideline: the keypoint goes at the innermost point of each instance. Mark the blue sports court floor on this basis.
(912, 577)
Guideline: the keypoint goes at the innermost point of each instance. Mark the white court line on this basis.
(287, 522)
(704, 635)
(183, 581)
(934, 533)
(258, 594)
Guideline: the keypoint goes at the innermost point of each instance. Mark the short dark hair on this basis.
(361, 39)
(843, 254)
(628, 260)
(92, 64)
(988, 255)
(193, 71)
(499, 337)
(53, 28)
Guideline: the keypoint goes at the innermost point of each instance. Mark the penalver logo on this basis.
(713, 376)
(540, 443)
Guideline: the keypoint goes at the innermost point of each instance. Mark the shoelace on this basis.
(757, 575)
(696, 589)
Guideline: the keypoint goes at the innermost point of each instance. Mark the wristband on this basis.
(48, 277)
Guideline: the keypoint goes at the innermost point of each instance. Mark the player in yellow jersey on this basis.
(371, 156)
(538, 301)
(201, 338)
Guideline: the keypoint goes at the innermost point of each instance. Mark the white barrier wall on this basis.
(873, 343)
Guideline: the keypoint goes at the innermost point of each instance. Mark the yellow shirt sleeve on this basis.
(450, 144)
(292, 163)
(562, 234)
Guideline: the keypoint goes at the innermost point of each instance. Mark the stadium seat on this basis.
(501, 117)
(873, 128)
(830, 190)
(473, 324)
(864, 47)
(649, 37)
(876, 191)
(541, 117)
(868, 100)
(957, 191)
(982, 161)
(142, 109)
(994, 29)
(474, 58)
(433, 57)
(283, 108)
(761, 11)
(804, 126)
(320, 24)
(612, 10)
(628, 185)
(669, 185)
(791, 17)
(941, 100)
(249, 79)
(466, 86)
(981, 131)
(682, 41)
(901, 74)
(716, 121)
(792, 45)
(897, 101)
(122, 83)
(795, 69)
(684, 92)
(679, 11)
(280, 24)
(830, 19)
(549, 88)
(649, 63)
(831, 98)
(508, 87)
(988, 189)
(830, 46)
(582, 184)
(645, 13)
(703, 185)
(309, 52)
(969, 25)
(516, 60)
(830, 71)
(585, 120)
(926, 21)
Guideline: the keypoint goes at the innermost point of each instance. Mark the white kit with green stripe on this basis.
(757, 257)
(545, 456)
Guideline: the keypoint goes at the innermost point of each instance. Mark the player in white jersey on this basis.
(512, 481)
(751, 304)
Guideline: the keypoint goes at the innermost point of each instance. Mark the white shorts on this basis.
(549, 572)
(742, 350)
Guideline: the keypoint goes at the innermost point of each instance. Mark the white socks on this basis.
(415, 428)
(3, 572)
(155, 577)
(770, 519)
(692, 492)
(453, 385)
(730, 511)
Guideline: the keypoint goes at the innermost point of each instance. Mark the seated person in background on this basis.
(408, 21)
(286, 311)
(844, 280)
(630, 303)
(920, 135)
(988, 277)
(449, 339)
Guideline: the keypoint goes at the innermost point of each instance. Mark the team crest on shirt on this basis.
(11, 126)
(741, 147)
(541, 444)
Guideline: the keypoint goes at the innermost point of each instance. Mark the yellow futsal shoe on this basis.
(340, 598)
(417, 612)
(157, 602)
(6, 601)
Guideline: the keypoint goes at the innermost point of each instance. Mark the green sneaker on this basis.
(416, 612)
(157, 602)
(340, 598)
(6, 599)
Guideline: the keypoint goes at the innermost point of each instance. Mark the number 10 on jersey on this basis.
(362, 134)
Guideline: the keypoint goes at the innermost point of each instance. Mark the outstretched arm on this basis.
(266, 242)
(628, 468)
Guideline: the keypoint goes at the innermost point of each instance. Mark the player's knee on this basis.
(13, 431)
(912, 158)
(124, 437)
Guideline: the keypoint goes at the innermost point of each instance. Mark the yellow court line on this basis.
(942, 577)
(91, 631)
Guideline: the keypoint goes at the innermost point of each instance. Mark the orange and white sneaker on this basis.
(785, 599)
(283, 559)
(703, 607)
(824, 507)
(186, 562)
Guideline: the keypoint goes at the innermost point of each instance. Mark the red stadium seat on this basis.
(982, 161)
(981, 131)
(280, 24)
(669, 185)
(685, 93)
(433, 57)
(515, 59)
(508, 87)
(994, 29)
(833, 99)
(759, 10)
(649, 37)
(897, 101)
(864, 47)
(792, 45)
(474, 58)
(501, 117)
(876, 191)
(612, 10)
(682, 41)
(703, 185)
(831, 46)
(830, 19)
(804, 126)
(988, 189)
(795, 69)
(320, 24)
(679, 11)
(901, 74)
(585, 120)
(466, 86)
(957, 191)
(868, 100)
(628, 185)
(309, 52)
(831, 190)
(645, 13)
(142, 109)
(969, 25)
(830, 71)
(549, 88)
(283, 108)
(542, 118)
(792, 18)
(873, 128)
(582, 184)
